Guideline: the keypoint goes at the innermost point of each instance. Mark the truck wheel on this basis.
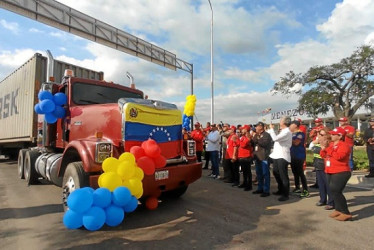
(30, 173)
(174, 194)
(21, 161)
(74, 178)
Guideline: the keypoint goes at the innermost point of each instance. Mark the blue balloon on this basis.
(45, 95)
(131, 205)
(72, 219)
(47, 106)
(94, 218)
(80, 200)
(121, 196)
(102, 197)
(60, 99)
(89, 189)
(59, 112)
(37, 109)
(50, 118)
(114, 215)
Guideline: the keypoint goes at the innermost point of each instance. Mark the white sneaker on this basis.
(217, 177)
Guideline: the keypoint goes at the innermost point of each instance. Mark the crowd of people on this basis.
(237, 148)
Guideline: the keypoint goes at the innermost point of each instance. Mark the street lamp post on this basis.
(211, 68)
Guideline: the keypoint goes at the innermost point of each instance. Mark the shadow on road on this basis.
(28, 212)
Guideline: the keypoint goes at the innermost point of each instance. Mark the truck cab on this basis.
(105, 119)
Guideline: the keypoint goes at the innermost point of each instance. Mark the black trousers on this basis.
(207, 159)
(235, 172)
(337, 184)
(280, 173)
(227, 169)
(245, 164)
(198, 155)
(298, 173)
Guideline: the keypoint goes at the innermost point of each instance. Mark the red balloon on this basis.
(160, 161)
(146, 163)
(151, 203)
(148, 142)
(137, 151)
(153, 151)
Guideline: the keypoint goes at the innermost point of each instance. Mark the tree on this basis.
(342, 87)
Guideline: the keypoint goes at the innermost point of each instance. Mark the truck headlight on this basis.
(103, 151)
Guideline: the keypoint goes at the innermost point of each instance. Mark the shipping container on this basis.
(19, 93)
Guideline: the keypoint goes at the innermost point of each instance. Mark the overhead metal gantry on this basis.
(65, 18)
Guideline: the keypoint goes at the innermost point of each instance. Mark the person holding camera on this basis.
(336, 155)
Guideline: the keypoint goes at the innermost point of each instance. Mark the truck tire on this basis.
(21, 161)
(74, 178)
(174, 194)
(31, 176)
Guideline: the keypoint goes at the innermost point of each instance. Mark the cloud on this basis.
(35, 30)
(10, 60)
(11, 26)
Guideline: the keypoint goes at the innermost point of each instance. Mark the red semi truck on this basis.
(102, 119)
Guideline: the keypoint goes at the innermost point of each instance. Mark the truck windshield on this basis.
(84, 93)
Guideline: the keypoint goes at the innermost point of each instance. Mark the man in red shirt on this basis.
(350, 133)
(318, 126)
(232, 155)
(198, 136)
(245, 157)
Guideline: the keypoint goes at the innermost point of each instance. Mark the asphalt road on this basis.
(211, 215)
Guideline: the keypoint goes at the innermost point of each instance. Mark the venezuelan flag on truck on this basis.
(142, 122)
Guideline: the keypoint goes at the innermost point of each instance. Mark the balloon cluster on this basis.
(94, 208)
(189, 111)
(148, 156)
(51, 105)
(120, 188)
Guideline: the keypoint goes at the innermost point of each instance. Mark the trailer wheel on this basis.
(21, 161)
(30, 173)
(74, 178)
(174, 194)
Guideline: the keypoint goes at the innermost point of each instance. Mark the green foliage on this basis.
(360, 158)
(341, 87)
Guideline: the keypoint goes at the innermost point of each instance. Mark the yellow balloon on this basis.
(110, 165)
(135, 185)
(127, 156)
(111, 181)
(126, 169)
(139, 194)
(100, 180)
(139, 174)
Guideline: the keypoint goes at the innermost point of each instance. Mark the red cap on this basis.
(246, 127)
(317, 120)
(299, 120)
(233, 127)
(343, 119)
(338, 131)
(197, 124)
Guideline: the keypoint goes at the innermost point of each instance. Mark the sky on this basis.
(255, 42)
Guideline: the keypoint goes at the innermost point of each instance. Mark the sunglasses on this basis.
(322, 134)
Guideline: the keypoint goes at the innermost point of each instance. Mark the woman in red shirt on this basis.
(336, 155)
(245, 157)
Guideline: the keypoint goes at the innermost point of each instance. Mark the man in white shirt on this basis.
(213, 139)
(281, 156)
